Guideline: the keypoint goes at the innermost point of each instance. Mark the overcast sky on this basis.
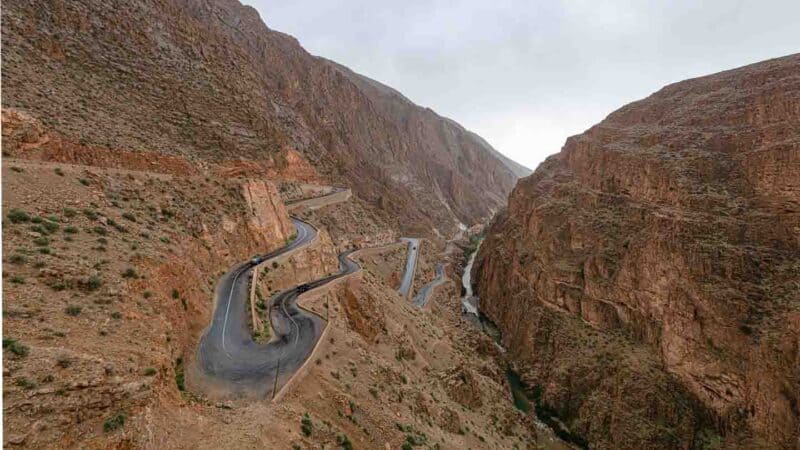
(526, 74)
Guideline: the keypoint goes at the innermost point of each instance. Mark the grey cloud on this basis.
(527, 74)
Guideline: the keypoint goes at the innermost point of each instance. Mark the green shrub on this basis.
(73, 310)
(129, 216)
(306, 425)
(70, 229)
(25, 383)
(17, 259)
(41, 241)
(18, 216)
(39, 229)
(130, 272)
(83, 181)
(37, 220)
(150, 371)
(175, 294)
(90, 214)
(147, 294)
(69, 212)
(38, 264)
(17, 169)
(16, 279)
(180, 378)
(51, 226)
(15, 347)
(101, 230)
(115, 422)
(45, 250)
(344, 442)
(93, 283)
(116, 315)
(117, 226)
(59, 171)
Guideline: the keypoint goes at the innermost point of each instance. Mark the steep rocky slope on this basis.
(108, 281)
(206, 79)
(646, 279)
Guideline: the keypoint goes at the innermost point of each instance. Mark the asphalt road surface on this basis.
(424, 294)
(411, 265)
(227, 352)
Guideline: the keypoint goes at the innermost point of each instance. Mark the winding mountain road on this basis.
(411, 265)
(227, 353)
(425, 292)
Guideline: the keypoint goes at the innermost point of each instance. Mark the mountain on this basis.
(207, 80)
(646, 280)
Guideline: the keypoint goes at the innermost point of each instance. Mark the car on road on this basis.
(257, 260)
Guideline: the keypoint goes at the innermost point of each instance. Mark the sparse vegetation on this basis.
(15, 347)
(115, 422)
(90, 214)
(306, 425)
(50, 226)
(17, 259)
(180, 375)
(25, 383)
(73, 310)
(130, 272)
(18, 216)
(344, 442)
(93, 283)
(150, 371)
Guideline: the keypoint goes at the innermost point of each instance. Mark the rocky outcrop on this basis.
(362, 310)
(268, 216)
(661, 247)
(462, 387)
(207, 80)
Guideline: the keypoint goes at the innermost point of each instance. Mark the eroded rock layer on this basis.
(647, 277)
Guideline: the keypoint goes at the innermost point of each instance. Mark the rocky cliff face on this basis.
(646, 278)
(268, 216)
(206, 79)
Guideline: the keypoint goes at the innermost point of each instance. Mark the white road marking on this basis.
(227, 309)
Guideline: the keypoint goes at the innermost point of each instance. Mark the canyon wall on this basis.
(207, 80)
(646, 278)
